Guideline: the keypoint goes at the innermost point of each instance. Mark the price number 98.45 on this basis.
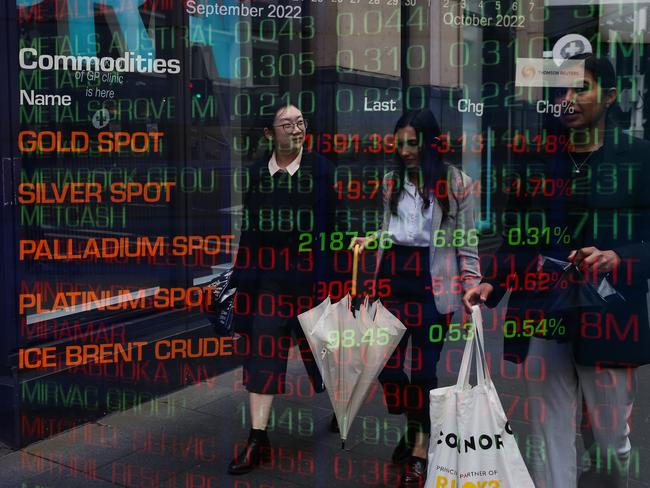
(374, 336)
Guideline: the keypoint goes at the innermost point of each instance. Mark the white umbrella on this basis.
(350, 350)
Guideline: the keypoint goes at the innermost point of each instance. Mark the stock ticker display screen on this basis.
(239, 233)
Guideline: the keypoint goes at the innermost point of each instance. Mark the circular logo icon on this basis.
(568, 46)
(101, 118)
(528, 72)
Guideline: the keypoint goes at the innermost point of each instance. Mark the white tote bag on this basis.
(471, 444)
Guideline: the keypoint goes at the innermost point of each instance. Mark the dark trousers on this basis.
(413, 303)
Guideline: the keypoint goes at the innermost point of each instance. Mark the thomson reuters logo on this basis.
(528, 72)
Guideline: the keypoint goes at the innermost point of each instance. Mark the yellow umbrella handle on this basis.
(355, 270)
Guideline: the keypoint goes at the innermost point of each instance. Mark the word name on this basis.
(32, 98)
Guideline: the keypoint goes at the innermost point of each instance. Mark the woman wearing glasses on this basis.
(290, 199)
(428, 215)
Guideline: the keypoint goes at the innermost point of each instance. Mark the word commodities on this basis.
(28, 58)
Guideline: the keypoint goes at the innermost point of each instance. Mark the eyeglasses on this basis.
(288, 127)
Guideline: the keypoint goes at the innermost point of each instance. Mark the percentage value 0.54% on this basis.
(533, 236)
(531, 327)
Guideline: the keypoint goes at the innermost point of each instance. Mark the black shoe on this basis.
(402, 452)
(334, 425)
(256, 452)
(415, 473)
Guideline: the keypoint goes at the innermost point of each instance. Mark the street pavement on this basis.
(187, 438)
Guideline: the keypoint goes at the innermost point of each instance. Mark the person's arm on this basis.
(247, 237)
(328, 217)
(364, 241)
(467, 254)
(628, 260)
(508, 260)
(635, 256)
(635, 262)
(335, 206)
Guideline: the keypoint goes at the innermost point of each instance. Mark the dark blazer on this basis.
(312, 192)
(610, 210)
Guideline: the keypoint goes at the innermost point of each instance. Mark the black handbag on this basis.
(569, 294)
(220, 299)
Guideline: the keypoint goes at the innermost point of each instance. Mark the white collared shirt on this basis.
(412, 224)
(291, 169)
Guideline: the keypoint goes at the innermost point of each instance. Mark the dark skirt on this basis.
(268, 336)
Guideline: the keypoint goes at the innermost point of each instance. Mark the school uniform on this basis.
(275, 278)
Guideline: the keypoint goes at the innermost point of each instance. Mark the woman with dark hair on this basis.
(602, 231)
(428, 216)
(289, 194)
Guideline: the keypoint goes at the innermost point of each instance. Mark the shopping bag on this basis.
(472, 444)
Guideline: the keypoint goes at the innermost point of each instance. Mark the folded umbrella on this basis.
(350, 349)
(570, 289)
(565, 297)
